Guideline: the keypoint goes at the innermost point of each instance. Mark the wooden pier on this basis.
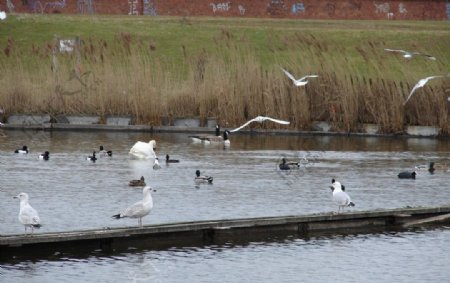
(216, 232)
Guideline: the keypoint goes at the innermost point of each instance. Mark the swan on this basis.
(143, 150)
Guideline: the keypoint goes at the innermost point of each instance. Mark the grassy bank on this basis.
(150, 67)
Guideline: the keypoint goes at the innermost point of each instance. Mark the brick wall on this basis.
(301, 9)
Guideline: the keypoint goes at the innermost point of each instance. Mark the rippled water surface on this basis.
(73, 194)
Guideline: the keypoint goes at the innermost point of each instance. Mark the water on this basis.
(73, 194)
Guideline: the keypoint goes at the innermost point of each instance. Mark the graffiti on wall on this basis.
(149, 8)
(85, 6)
(298, 8)
(382, 8)
(133, 7)
(57, 4)
(10, 6)
(241, 10)
(220, 7)
(448, 11)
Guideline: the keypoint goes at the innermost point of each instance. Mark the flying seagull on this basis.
(261, 119)
(420, 84)
(409, 55)
(300, 82)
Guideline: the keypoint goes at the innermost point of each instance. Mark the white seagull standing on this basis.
(409, 55)
(140, 208)
(300, 82)
(420, 84)
(261, 119)
(28, 216)
(143, 150)
(341, 198)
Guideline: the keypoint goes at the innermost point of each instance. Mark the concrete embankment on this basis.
(200, 233)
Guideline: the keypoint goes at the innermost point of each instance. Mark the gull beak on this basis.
(153, 190)
(16, 197)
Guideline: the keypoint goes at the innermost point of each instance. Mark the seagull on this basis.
(28, 216)
(341, 198)
(261, 119)
(409, 55)
(2, 15)
(140, 208)
(420, 84)
(300, 82)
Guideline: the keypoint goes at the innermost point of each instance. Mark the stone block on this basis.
(118, 120)
(371, 129)
(187, 122)
(24, 119)
(424, 131)
(83, 120)
(321, 126)
(211, 122)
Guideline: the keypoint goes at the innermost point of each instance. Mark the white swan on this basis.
(143, 150)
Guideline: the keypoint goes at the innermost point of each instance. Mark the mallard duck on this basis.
(143, 150)
(284, 165)
(137, 183)
(24, 150)
(44, 156)
(202, 179)
(168, 160)
(103, 152)
(92, 158)
(433, 167)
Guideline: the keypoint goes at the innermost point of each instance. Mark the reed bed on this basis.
(234, 76)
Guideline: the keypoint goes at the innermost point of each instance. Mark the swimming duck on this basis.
(202, 179)
(143, 150)
(92, 158)
(433, 167)
(137, 183)
(104, 152)
(168, 160)
(44, 156)
(407, 175)
(24, 150)
(156, 165)
(288, 165)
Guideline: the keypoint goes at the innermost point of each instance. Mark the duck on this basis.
(44, 156)
(143, 150)
(341, 198)
(168, 160)
(407, 175)
(92, 158)
(433, 167)
(156, 165)
(24, 150)
(288, 165)
(137, 183)
(202, 179)
(103, 152)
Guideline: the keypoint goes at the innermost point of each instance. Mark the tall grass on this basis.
(235, 77)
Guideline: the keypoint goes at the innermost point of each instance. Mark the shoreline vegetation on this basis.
(228, 68)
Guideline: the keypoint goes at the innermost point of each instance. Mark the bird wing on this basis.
(29, 216)
(419, 84)
(396, 50)
(244, 125)
(341, 198)
(289, 75)
(278, 121)
(136, 210)
(308, 76)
